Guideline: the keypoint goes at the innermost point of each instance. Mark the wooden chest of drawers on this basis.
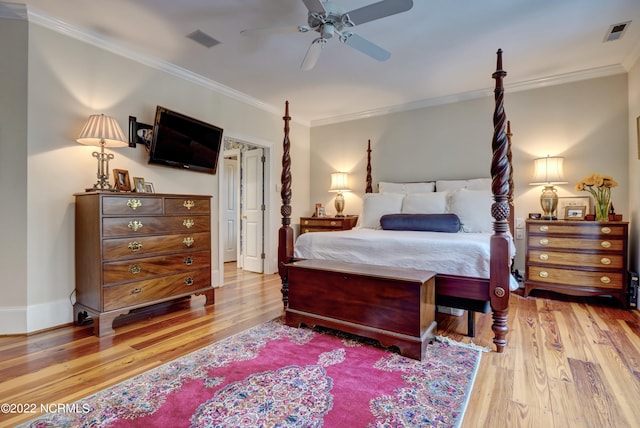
(327, 224)
(577, 257)
(135, 250)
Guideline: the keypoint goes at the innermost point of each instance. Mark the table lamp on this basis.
(102, 131)
(547, 172)
(339, 184)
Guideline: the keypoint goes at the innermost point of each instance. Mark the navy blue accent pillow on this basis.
(449, 223)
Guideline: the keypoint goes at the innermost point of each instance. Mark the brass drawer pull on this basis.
(188, 241)
(544, 241)
(188, 261)
(605, 280)
(188, 223)
(605, 229)
(305, 230)
(136, 290)
(306, 222)
(605, 261)
(134, 203)
(188, 204)
(333, 223)
(135, 269)
(544, 274)
(544, 257)
(605, 244)
(188, 281)
(134, 246)
(544, 228)
(135, 225)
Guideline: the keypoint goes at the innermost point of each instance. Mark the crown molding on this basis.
(37, 17)
(471, 95)
(13, 11)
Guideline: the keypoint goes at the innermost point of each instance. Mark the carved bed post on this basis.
(285, 234)
(500, 240)
(369, 188)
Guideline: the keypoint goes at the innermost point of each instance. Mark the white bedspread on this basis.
(465, 254)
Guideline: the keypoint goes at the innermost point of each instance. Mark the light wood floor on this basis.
(569, 362)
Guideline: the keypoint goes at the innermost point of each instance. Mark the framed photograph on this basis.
(321, 212)
(574, 212)
(121, 178)
(315, 212)
(138, 184)
(148, 187)
(583, 202)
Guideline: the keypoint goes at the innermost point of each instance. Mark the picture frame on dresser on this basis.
(121, 180)
(138, 184)
(572, 202)
(148, 187)
(575, 212)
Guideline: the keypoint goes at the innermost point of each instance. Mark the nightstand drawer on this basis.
(585, 228)
(308, 222)
(327, 224)
(612, 261)
(576, 277)
(573, 243)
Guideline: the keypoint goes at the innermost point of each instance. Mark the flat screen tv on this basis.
(183, 142)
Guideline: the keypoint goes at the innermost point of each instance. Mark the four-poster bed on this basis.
(465, 292)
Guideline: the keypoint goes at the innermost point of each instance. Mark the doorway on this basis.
(243, 208)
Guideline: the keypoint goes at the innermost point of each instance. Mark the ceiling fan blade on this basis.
(313, 53)
(379, 10)
(365, 46)
(274, 30)
(314, 6)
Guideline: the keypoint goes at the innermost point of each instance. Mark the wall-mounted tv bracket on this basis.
(139, 133)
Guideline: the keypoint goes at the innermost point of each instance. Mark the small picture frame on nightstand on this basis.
(321, 212)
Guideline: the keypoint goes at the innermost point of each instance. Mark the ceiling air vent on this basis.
(203, 38)
(616, 31)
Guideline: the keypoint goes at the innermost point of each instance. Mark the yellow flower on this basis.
(600, 188)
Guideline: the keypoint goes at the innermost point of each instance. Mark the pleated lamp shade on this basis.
(102, 130)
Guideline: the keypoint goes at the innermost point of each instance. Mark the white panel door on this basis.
(253, 210)
(230, 213)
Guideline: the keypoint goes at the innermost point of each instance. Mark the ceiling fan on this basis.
(329, 19)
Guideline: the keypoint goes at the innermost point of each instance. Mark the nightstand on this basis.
(327, 224)
(580, 258)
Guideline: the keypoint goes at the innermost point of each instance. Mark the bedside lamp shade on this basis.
(102, 131)
(547, 172)
(339, 184)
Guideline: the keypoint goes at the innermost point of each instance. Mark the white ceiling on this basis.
(440, 49)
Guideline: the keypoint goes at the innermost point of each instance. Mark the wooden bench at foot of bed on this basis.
(394, 306)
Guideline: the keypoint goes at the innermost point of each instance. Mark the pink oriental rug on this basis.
(277, 376)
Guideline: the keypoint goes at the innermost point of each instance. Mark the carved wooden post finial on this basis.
(369, 188)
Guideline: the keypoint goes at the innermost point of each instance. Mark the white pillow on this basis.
(479, 184)
(422, 187)
(425, 203)
(473, 184)
(378, 204)
(473, 207)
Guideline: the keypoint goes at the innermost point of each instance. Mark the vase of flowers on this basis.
(600, 188)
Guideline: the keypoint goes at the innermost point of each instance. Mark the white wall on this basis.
(586, 122)
(634, 166)
(13, 170)
(68, 80)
